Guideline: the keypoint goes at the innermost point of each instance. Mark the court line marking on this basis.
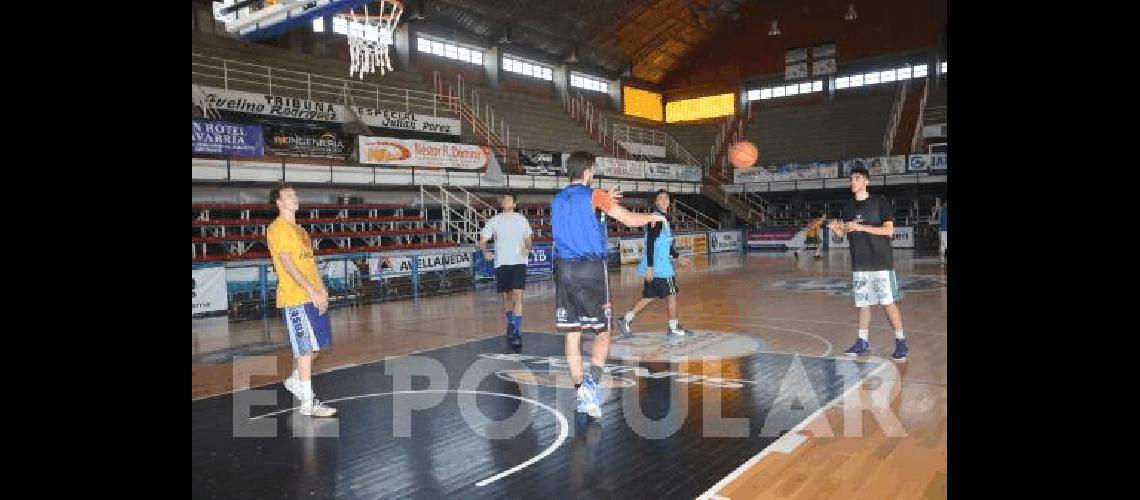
(776, 318)
(350, 365)
(712, 493)
(505, 375)
(563, 430)
(564, 426)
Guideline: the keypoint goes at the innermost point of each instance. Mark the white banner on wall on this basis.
(416, 153)
(684, 244)
(877, 165)
(904, 238)
(644, 149)
(617, 167)
(289, 107)
(673, 172)
(893, 164)
(387, 267)
(631, 250)
(926, 163)
(209, 293)
(827, 169)
(725, 241)
(754, 174)
(659, 171)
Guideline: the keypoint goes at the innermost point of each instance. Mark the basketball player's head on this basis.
(661, 201)
(508, 201)
(580, 166)
(860, 177)
(285, 197)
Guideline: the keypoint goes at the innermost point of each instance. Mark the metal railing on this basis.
(596, 123)
(896, 117)
(230, 74)
(459, 218)
(835, 183)
(689, 215)
(731, 131)
(626, 132)
(917, 139)
(255, 299)
(467, 109)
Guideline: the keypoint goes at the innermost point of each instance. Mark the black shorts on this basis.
(581, 303)
(510, 277)
(659, 288)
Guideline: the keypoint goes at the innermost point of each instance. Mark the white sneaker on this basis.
(679, 332)
(294, 387)
(315, 408)
(585, 402)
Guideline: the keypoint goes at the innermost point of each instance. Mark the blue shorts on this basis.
(307, 329)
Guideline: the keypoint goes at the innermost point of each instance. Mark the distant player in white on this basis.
(513, 237)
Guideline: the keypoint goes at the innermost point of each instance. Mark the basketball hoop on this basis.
(369, 37)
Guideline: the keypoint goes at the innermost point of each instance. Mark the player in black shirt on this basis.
(868, 222)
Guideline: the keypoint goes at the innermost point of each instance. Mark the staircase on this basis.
(909, 124)
(596, 124)
(460, 220)
(453, 98)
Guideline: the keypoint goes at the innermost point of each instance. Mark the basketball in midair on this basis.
(743, 154)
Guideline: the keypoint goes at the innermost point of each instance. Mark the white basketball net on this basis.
(369, 37)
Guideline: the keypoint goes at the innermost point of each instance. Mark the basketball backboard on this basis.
(257, 19)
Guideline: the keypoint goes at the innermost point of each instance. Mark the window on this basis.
(887, 76)
(805, 88)
(766, 94)
(585, 82)
(919, 71)
(528, 69)
(856, 81)
(841, 82)
(817, 86)
(903, 73)
(871, 78)
(943, 68)
(450, 51)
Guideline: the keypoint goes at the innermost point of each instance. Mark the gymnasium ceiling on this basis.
(652, 39)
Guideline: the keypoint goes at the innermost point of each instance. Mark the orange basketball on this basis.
(743, 154)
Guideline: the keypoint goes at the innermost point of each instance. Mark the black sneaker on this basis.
(901, 350)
